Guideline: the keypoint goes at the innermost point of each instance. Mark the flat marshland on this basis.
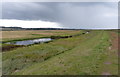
(31, 34)
(92, 53)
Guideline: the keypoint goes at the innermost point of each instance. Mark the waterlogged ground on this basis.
(94, 53)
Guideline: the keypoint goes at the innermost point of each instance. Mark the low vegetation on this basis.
(85, 54)
(30, 34)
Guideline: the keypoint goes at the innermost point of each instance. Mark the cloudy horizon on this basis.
(77, 15)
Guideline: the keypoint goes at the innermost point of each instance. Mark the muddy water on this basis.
(29, 42)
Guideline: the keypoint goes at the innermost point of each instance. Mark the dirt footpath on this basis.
(115, 41)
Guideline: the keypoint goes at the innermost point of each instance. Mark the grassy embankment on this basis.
(87, 54)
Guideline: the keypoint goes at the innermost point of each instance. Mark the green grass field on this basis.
(94, 53)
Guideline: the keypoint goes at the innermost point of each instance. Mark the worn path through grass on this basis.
(87, 58)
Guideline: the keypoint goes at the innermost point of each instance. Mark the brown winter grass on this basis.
(29, 34)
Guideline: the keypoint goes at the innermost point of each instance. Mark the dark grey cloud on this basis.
(30, 11)
(68, 14)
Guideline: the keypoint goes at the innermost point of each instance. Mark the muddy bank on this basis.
(9, 47)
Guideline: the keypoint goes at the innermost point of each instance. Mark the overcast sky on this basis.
(77, 15)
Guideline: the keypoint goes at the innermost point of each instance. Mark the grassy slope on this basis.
(85, 54)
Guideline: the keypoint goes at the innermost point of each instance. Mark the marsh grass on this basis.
(32, 34)
(80, 55)
(26, 56)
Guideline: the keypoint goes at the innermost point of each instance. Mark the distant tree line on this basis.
(20, 28)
